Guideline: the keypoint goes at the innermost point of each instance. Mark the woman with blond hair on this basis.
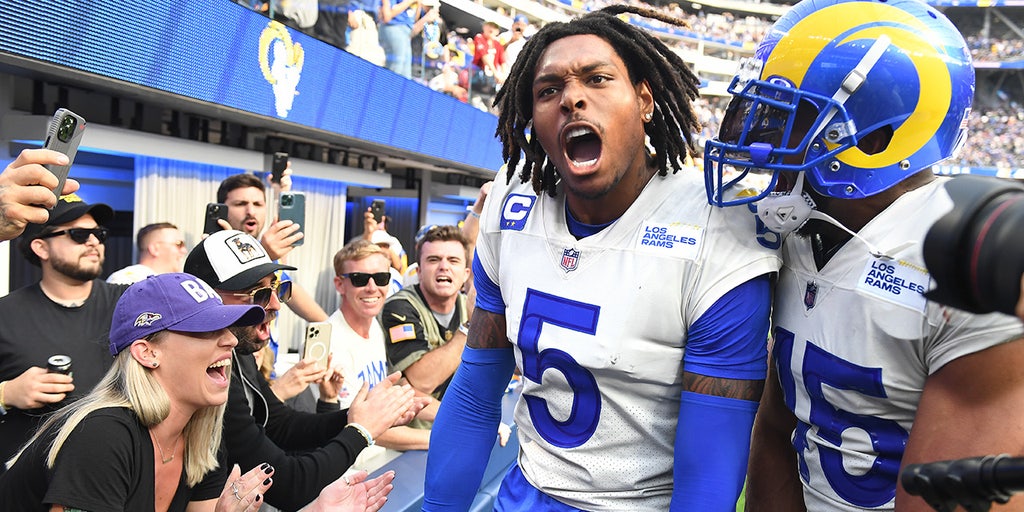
(148, 436)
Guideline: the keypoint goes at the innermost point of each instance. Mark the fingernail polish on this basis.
(268, 481)
(269, 469)
(264, 466)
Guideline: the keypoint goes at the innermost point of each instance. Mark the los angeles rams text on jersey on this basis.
(599, 326)
(868, 343)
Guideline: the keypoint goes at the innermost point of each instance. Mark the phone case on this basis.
(278, 166)
(292, 206)
(63, 135)
(377, 209)
(214, 211)
(318, 342)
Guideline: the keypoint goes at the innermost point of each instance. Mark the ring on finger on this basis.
(234, 490)
(345, 478)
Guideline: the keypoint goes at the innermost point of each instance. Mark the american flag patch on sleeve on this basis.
(402, 332)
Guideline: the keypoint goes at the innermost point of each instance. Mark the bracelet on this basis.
(3, 405)
(474, 214)
(464, 329)
(363, 432)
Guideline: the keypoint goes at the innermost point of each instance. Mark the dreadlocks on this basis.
(673, 84)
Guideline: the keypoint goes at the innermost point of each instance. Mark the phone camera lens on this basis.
(67, 127)
(286, 201)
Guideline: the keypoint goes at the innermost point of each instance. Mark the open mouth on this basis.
(219, 371)
(582, 146)
(250, 224)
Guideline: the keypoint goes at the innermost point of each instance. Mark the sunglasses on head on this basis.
(361, 279)
(261, 296)
(80, 235)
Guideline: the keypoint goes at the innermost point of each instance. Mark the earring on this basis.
(156, 363)
(648, 116)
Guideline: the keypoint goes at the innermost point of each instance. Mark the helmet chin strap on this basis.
(786, 213)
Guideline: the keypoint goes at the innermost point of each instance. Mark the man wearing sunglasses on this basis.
(161, 250)
(308, 451)
(66, 313)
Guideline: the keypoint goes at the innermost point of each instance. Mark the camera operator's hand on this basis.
(25, 190)
(35, 388)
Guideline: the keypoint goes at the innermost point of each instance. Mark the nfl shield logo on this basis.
(570, 259)
(810, 294)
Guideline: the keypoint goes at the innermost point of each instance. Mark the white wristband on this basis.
(363, 432)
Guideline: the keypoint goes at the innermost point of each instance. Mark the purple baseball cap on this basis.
(178, 302)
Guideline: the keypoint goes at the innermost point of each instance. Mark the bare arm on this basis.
(772, 480)
(431, 370)
(471, 226)
(488, 330)
(970, 407)
(302, 304)
(405, 438)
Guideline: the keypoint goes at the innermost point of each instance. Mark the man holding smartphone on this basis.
(245, 197)
(67, 312)
(308, 451)
(26, 190)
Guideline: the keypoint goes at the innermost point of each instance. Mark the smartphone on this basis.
(377, 209)
(278, 164)
(318, 342)
(293, 207)
(214, 211)
(63, 135)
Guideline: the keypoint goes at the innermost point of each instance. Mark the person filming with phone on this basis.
(26, 190)
(308, 451)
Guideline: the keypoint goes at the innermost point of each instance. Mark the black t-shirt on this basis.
(106, 464)
(33, 328)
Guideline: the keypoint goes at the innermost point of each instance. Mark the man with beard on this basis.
(245, 197)
(307, 451)
(66, 313)
(425, 324)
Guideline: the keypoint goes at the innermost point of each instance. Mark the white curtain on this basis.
(177, 192)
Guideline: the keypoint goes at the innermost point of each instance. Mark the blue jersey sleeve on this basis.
(730, 340)
(465, 429)
(711, 450)
(488, 295)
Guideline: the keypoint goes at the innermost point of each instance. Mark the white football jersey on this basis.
(854, 344)
(599, 327)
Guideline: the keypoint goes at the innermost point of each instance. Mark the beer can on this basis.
(59, 364)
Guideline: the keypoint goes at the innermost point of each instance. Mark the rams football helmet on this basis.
(856, 94)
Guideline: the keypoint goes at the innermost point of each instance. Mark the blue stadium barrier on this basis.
(410, 469)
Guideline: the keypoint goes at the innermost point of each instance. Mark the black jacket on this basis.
(308, 451)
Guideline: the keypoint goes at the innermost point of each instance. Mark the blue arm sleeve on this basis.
(712, 444)
(465, 429)
(730, 340)
(711, 450)
(488, 295)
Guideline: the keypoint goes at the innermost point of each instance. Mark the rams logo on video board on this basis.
(281, 63)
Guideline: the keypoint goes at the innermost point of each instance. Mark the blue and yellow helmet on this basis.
(857, 94)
